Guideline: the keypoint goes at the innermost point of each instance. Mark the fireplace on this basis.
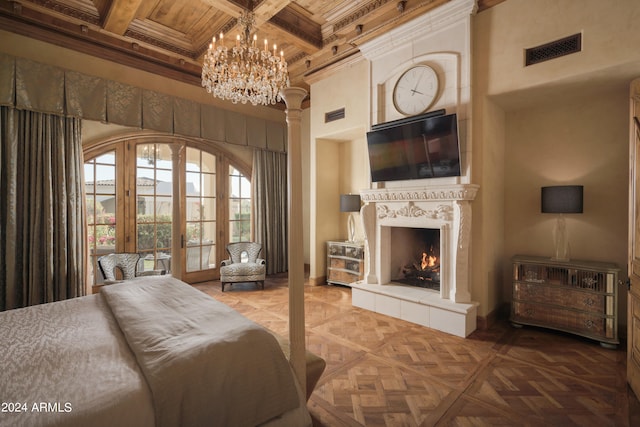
(440, 38)
(403, 228)
(416, 258)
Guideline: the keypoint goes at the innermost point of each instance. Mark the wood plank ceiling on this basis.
(170, 37)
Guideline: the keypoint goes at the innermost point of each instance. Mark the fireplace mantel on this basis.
(430, 193)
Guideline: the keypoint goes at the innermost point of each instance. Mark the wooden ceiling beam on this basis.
(231, 8)
(267, 9)
(120, 15)
(300, 30)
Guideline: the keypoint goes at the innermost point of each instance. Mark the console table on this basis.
(580, 297)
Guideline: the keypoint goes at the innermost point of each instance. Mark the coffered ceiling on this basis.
(170, 37)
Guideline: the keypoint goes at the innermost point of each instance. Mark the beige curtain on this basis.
(42, 247)
(269, 188)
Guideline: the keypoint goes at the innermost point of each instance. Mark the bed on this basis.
(150, 352)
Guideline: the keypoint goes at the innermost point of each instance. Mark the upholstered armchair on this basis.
(243, 264)
(127, 263)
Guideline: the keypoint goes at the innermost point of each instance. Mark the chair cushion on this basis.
(235, 250)
(240, 272)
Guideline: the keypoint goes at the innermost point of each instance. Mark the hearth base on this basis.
(417, 305)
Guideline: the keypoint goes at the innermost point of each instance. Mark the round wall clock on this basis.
(415, 90)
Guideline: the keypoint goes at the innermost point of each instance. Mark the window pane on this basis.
(208, 232)
(209, 209)
(208, 184)
(146, 155)
(245, 188)
(163, 157)
(144, 175)
(164, 182)
(90, 201)
(107, 158)
(146, 236)
(245, 233)
(193, 184)
(193, 232)
(209, 261)
(105, 235)
(235, 232)
(105, 179)
(194, 209)
(163, 235)
(234, 209)
(208, 162)
(164, 206)
(245, 208)
(234, 186)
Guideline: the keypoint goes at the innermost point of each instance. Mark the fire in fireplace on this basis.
(421, 263)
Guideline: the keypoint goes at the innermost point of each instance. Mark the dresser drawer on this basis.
(563, 297)
(346, 264)
(342, 276)
(563, 319)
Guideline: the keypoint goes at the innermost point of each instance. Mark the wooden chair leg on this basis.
(222, 283)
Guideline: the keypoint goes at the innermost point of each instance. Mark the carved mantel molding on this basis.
(431, 193)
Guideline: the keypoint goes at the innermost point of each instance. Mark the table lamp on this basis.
(561, 199)
(350, 203)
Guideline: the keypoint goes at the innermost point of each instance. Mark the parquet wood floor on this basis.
(383, 371)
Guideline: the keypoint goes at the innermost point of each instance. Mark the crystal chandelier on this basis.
(244, 72)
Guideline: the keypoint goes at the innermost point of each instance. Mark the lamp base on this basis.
(351, 228)
(561, 240)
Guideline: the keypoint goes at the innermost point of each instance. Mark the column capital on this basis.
(293, 97)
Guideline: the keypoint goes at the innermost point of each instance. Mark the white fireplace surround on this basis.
(444, 207)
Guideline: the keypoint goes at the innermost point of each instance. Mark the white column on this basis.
(176, 237)
(293, 97)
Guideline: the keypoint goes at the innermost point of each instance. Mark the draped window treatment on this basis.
(42, 219)
(269, 195)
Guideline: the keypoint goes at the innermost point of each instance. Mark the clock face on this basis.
(415, 90)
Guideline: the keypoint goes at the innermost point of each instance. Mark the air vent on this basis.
(555, 49)
(332, 116)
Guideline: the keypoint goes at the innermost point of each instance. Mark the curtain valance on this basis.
(30, 85)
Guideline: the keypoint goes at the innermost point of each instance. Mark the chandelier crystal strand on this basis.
(244, 73)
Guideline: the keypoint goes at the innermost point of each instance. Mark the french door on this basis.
(130, 195)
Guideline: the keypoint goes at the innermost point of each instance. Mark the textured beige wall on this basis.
(579, 141)
(339, 155)
(564, 121)
(610, 40)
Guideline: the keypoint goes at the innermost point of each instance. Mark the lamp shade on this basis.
(562, 199)
(349, 203)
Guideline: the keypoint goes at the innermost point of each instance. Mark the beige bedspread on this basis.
(150, 352)
(205, 363)
(68, 364)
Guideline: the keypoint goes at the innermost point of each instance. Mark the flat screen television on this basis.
(423, 148)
